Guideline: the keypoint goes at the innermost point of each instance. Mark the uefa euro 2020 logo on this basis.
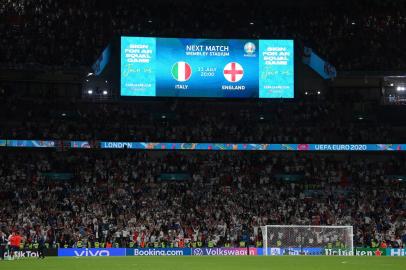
(249, 48)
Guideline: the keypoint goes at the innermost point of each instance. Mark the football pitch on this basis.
(207, 263)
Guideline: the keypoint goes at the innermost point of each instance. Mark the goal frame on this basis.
(264, 230)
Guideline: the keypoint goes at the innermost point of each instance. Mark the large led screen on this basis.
(218, 68)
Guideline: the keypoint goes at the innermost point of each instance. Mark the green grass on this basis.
(208, 263)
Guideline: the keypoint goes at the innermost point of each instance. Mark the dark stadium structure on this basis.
(60, 188)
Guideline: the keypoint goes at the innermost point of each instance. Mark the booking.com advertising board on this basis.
(159, 252)
(112, 252)
(217, 68)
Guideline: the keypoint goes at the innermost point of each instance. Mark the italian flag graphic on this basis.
(181, 71)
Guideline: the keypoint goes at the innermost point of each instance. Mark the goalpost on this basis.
(307, 240)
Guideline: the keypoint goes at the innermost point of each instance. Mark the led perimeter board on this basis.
(216, 68)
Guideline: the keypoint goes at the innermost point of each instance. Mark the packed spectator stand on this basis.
(355, 35)
(123, 199)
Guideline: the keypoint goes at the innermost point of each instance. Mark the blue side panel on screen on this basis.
(138, 56)
(276, 65)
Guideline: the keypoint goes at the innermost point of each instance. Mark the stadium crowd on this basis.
(210, 199)
(356, 35)
(183, 121)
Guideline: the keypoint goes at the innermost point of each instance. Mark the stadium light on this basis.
(90, 92)
(400, 88)
(105, 92)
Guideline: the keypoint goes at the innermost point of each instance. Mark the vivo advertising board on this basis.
(91, 252)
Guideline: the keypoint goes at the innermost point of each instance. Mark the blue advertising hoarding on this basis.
(30, 143)
(91, 252)
(225, 251)
(253, 147)
(159, 252)
(273, 251)
(323, 68)
(206, 146)
(396, 252)
(102, 61)
(218, 68)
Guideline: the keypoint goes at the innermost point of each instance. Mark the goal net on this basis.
(307, 240)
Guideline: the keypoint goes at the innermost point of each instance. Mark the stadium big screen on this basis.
(217, 68)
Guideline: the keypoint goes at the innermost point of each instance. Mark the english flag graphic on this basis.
(181, 71)
(233, 72)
